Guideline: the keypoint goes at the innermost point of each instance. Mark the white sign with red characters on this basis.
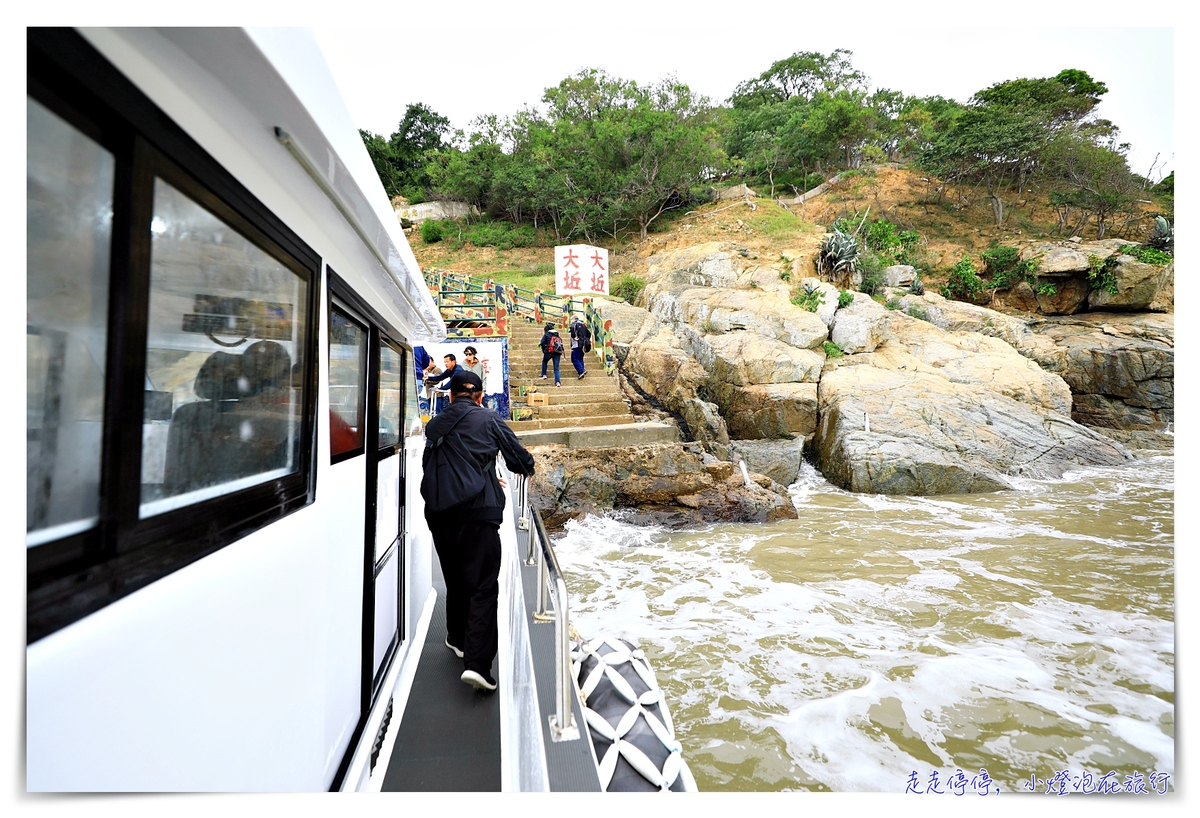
(580, 269)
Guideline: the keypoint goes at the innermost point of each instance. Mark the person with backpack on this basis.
(581, 342)
(464, 506)
(552, 350)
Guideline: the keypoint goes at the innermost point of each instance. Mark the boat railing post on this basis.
(562, 723)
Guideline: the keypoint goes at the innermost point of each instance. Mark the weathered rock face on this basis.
(1065, 266)
(771, 411)
(860, 326)
(723, 310)
(899, 432)
(777, 459)
(1121, 368)
(970, 358)
(1138, 285)
(743, 358)
(1068, 296)
(713, 264)
(670, 484)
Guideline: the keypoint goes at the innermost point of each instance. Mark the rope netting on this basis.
(628, 720)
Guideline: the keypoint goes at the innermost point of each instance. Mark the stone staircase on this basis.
(591, 411)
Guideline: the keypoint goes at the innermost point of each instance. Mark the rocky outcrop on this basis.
(670, 484)
(932, 397)
(860, 326)
(1138, 285)
(1120, 367)
(1065, 288)
(777, 459)
(900, 432)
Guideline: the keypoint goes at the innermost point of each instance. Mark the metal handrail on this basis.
(541, 553)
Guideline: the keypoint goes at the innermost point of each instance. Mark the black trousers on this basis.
(469, 553)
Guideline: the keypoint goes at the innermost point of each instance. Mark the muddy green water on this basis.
(1023, 633)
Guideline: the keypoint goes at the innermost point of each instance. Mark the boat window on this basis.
(391, 371)
(68, 244)
(347, 384)
(412, 408)
(225, 334)
(171, 343)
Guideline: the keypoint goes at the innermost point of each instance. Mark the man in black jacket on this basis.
(467, 536)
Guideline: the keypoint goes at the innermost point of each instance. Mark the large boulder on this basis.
(777, 410)
(902, 432)
(724, 310)
(743, 357)
(777, 459)
(670, 484)
(713, 264)
(1069, 258)
(1138, 285)
(860, 326)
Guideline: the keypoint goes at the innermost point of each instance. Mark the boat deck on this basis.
(448, 738)
(450, 741)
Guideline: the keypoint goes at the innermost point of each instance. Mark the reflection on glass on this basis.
(225, 338)
(347, 375)
(412, 408)
(69, 226)
(391, 370)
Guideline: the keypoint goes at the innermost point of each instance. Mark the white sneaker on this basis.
(477, 681)
(457, 651)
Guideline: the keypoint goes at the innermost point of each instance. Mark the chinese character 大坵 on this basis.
(570, 280)
(598, 260)
(569, 259)
(597, 282)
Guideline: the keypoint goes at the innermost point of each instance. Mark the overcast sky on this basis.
(500, 65)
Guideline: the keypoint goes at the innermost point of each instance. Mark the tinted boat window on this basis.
(391, 371)
(347, 379)
(225, 334)
(68, 241)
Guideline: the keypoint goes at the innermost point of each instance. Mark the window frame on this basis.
(75, 576)
(350, 314)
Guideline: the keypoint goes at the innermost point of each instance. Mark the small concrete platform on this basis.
(625, 434)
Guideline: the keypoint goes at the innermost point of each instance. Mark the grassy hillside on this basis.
(951, 223)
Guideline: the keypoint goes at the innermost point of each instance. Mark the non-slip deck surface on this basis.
(449, 737)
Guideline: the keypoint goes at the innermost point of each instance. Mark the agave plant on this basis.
(1162, 236)
(838, 253)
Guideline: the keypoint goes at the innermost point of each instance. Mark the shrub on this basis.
(845, 298)
(894, 304)
(431, 231)
(810, 300)
(832, 350)
(1102, 273)
(627, 287)
(1047, 290)
(1148, 255)
(918, 312)
(963, 283)
(918, 286)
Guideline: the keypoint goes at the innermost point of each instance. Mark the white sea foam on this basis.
(874, 636)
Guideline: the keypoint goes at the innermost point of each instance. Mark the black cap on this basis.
(465, 380)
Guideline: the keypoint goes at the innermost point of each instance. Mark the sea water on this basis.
(1014, 641)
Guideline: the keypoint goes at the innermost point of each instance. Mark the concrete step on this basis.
(567, 410)
(627, 434)
(570, 422)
